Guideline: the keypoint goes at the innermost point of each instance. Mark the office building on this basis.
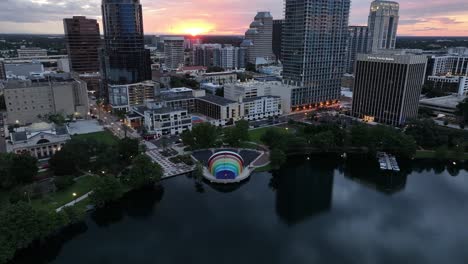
(277, 36)
(2, 70)
(314, 54)
(31, 52)
(207, 55)
(40, 140)
(387, 87)
(260, 35)
(27, 100)
(174, 52)
(123, 97)
(357, 43)
(161, 121)
(83, 41)
(125, 59)
(383, 25)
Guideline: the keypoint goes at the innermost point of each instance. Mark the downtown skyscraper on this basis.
(383, 25)
(125, 59)
(83, 42)
(314, 49)
(260, 36)
(357, 43)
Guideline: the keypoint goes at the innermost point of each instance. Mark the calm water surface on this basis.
(319, 211)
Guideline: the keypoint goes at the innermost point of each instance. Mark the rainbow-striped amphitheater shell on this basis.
(226, 165)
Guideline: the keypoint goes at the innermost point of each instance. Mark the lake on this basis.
(322, 210)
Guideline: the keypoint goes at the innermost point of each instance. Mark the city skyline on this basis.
(429, 18)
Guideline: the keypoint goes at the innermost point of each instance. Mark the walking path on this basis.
(72, 203)
(170, 169)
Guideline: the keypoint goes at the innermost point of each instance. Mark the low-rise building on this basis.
(254, 88)
(165, 120)
(219, 110)
(220, 78)
(262, 107)
(31, 52)
(123, 97)
(27, 100)
(446, 105)
(40, 140)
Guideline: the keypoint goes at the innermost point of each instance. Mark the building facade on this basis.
(387, 88)
(357, 43)
(123, 97)
(174, 52)
(260, 34)
(277, 36)
(26, 101)
(40, 140)
(261, 107)
(166, 121)
(83, 41)
(219, 78)
(450, 65)
(383, 25)
(124, 59)
(314, 54)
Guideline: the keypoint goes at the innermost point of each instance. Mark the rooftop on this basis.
(217, 99)
(450, 101)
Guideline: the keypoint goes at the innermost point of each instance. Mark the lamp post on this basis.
(74, 198)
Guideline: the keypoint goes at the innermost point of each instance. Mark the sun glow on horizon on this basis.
(193, 27)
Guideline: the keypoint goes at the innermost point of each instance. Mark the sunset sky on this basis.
(417, 17)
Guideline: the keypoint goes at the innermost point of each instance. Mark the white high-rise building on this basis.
(260, 38)
(174, 52)
(383, 25)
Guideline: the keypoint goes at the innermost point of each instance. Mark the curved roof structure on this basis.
(226, 165)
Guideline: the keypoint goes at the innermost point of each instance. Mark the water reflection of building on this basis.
(302, 191)
(366, 173)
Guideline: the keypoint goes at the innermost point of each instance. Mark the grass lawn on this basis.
(54, 200)
(104, 137)
(256, 134)
(428, 154)
(266, 168)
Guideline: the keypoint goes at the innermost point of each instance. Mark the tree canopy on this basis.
(16, 169)
(143, 172)
(201, 136)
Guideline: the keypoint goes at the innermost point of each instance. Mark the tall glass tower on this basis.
(314, 49)
(125, 59)
(383, 25)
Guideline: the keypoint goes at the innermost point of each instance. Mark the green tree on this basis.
(462, 111)
(202, 136)
(234, 136)
(143, 172)
(324, 141)
(63, 182)
(198, 173)
(128, 149)
(107, 189)
(16, 169)
(20, 225)
(277, 158)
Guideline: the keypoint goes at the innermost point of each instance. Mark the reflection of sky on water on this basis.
(304, 215)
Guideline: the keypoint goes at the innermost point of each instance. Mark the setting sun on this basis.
(193, 27)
